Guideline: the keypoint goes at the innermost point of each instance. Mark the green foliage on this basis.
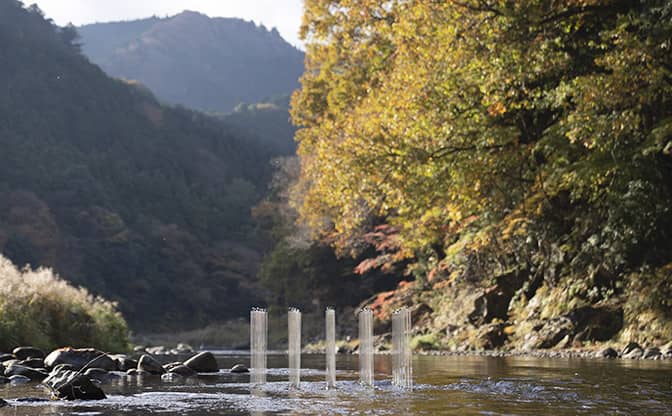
(38, 308)
(540, 126)
(299, 272)
(425, 342)
(145, 204)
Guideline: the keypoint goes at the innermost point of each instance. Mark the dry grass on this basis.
(38, 308)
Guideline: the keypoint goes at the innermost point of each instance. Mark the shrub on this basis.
(38, 308)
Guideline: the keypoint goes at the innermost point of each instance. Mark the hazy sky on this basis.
(285, 15)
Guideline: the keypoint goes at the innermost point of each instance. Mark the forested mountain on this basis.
(268, 121)
(146, 204)
(210, 64)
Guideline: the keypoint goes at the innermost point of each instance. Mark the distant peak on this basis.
(192, 15)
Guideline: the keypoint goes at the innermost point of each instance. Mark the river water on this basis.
(452, 385)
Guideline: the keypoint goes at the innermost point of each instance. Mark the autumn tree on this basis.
(514, 117)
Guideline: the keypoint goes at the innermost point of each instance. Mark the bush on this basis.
(38, 308)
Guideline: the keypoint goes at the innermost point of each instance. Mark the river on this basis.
(444, 385)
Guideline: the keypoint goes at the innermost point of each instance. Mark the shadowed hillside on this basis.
(145, 204)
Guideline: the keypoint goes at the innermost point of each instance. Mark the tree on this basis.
(433, 116)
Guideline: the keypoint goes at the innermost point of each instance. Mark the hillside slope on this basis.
(145, 204)
(210, 64)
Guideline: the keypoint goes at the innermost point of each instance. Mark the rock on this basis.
(80, 357)
(183, 348)
(65, 367)
(596, 323)
(32, 363)
(124, 363)
(159, 350)
(98, 374)
(203, 362)
(631, 346)
(171, 377)
(134, 372)
(634, 354)
(652, 353)
(150, 365)
(4, 380)
(71, 385)
(607, 353)
(666, 349)
(491, 336)
(18, 379)
(20, 370)
(169, 366)
(494, 302)
(23, 353)
(548, 333)
(421, 314)
(31, 400)
(182, 370)
(239, 368)
(3, 403)
(6, 357)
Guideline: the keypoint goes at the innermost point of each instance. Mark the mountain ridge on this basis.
(205, 63)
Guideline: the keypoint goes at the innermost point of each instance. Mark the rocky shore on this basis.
(79, 373)
(631, 351)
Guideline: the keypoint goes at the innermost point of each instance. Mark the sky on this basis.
(285, 15)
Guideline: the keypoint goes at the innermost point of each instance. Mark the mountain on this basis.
(146, 204)
(267, 121)
(210, 64)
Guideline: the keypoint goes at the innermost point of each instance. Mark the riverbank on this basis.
(631, 351)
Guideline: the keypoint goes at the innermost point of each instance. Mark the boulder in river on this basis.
(20, 370)
(18, 379)
(4, 380)
(99, 374)
(182, 370)
(72, 385)
(134, 372)
(24, 353)
(32, 363)
(80, 357)
(150, 365)
(171, 377)
(6, 357)
(203, 362)
(169, 366)
(124, 363)
(239, 368)
(3, 403)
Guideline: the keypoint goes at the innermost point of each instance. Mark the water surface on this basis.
(443, 385)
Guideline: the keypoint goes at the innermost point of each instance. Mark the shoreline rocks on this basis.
(80, 357)
(72, 385)
(203, 362)
(150, 365)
